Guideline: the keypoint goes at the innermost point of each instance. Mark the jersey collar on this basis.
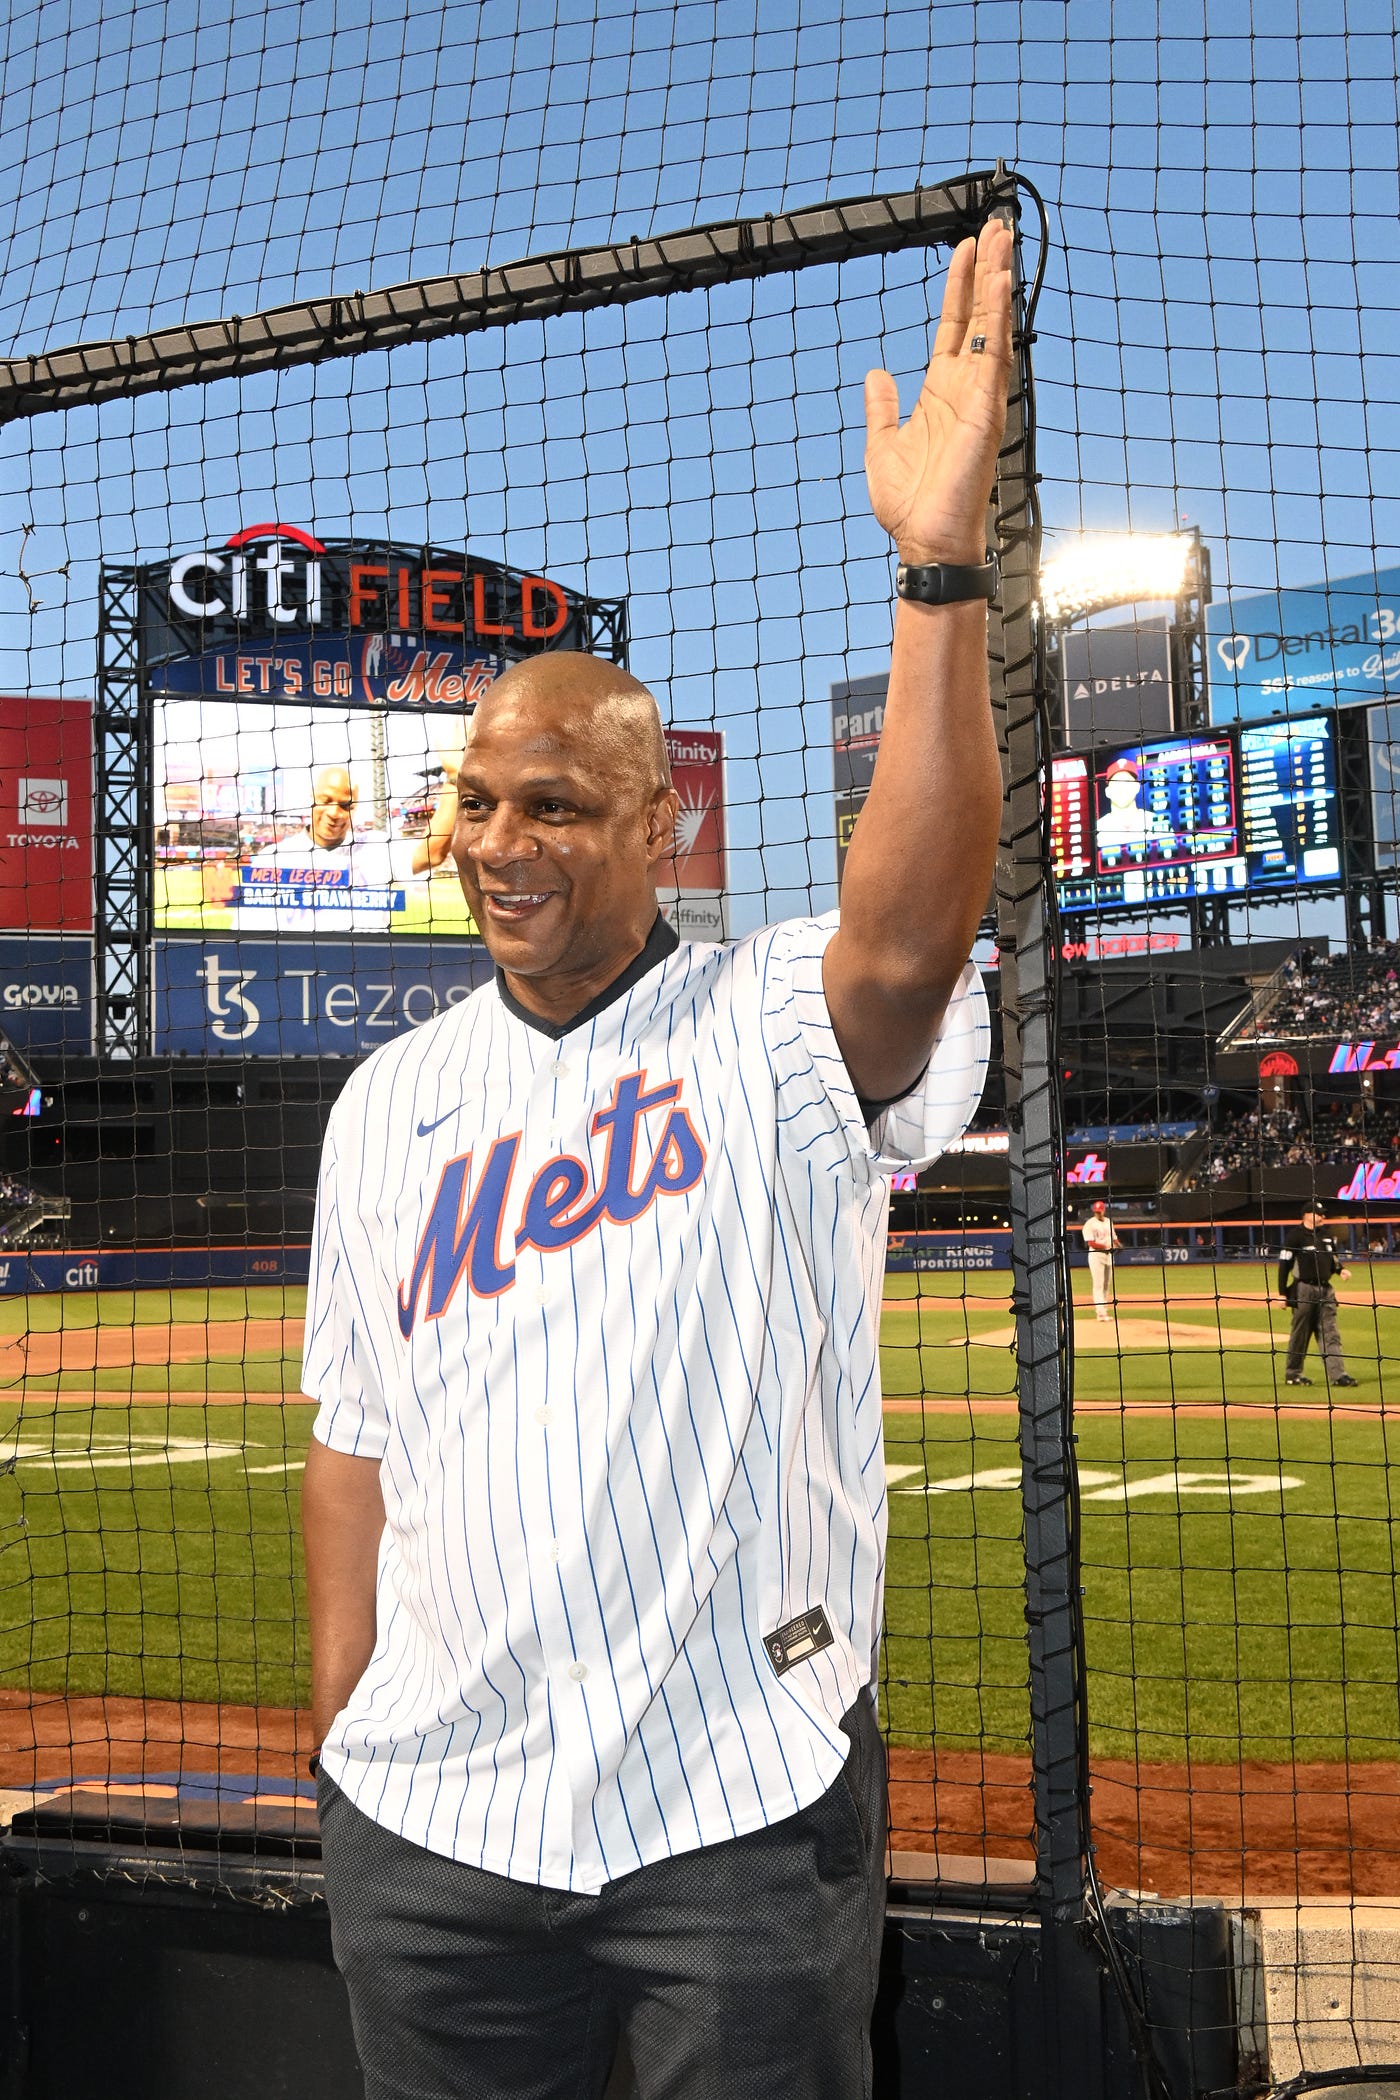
(663, 940)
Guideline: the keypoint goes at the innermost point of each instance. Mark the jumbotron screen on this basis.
(1161, 824)
(310, 700)
(1289, 808)
(292, 820)
(1213, 815)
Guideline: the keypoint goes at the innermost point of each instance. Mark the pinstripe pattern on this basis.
(607, 1478)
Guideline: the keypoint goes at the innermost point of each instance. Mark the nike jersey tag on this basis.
(801, 1637)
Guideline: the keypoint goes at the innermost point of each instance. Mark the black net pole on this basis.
(1025, 926)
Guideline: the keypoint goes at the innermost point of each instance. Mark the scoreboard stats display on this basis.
(1289, 806)
(1218, 814)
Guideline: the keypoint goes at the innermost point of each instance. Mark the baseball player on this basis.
(325, 878)
(1101, 1239)
(1126, 823)
(594, 1507)
(1307, 1263)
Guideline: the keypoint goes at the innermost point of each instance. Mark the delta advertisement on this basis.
(1116, 683)
(46, 815)
(310, 701)
(1281, 652)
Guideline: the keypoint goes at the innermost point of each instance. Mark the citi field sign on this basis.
(276, 614)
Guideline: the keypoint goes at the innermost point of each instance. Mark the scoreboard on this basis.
(1289, 803)
(1221, 813)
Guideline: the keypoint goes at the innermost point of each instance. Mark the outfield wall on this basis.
(151, 1268)
(953, 1253)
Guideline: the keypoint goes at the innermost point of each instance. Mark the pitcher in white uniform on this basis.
(1102, 1240)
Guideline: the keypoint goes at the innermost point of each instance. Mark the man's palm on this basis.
(930, 481)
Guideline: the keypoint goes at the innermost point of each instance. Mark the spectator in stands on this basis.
(1342, 995)
(1342, 1135)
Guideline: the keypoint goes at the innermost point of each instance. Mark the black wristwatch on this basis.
(943, 583)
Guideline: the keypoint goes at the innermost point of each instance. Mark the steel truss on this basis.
(123, 821)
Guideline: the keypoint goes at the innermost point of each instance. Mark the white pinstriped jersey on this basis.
(605, 1307)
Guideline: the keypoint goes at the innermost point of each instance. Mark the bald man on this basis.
(326, 879)
(594, 1506)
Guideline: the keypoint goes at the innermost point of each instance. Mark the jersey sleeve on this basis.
(338, 1367)
(914, 1130)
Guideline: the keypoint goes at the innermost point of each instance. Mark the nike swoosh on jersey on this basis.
(424, 1129)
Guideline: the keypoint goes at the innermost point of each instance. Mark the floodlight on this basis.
(1114, 568)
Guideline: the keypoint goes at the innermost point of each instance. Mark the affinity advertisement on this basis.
(46, 814)
(1333, 643)
(692, 887)
(290, 998)
(106, 1269)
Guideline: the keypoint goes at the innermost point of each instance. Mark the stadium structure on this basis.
(277, 534)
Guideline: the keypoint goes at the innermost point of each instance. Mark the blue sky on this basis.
(1217, 334)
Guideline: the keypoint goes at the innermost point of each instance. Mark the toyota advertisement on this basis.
(46, 815)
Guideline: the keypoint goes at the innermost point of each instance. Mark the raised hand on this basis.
(930, 481)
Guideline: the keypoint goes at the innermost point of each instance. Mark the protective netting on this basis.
(344, 557)
(1214, 362)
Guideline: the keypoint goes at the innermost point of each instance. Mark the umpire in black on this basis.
(1308, 1262)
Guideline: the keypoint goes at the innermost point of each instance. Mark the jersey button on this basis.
(543, 1414)
(578, 1671)
(554, 1554)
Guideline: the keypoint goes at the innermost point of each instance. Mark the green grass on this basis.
(1235, 1624)
(178, 1578)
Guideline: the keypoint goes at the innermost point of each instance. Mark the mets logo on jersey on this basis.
(467, 1231)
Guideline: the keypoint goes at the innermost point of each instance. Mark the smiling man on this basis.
(594, 1507)
(328, 877)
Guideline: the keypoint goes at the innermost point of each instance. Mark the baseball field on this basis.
(1239, 1544)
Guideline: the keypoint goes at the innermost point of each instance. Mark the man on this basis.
(325, 879)
(594, 1508)
(1307, 1264)
(1101, 1239)
(1125, 823)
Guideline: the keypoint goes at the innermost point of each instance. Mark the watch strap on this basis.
(944, 583)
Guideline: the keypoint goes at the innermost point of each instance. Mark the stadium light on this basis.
(1114, 568)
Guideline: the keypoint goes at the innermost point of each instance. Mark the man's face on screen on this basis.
(559, 830)
(332, 808)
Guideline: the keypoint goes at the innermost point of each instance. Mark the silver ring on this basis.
(979, 342)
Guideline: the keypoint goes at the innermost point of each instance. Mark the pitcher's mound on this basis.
(1136, 1333)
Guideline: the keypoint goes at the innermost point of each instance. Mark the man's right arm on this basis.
(342, 1518)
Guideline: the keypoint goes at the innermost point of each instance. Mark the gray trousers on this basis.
(745, 1971)
(1315, 1314)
